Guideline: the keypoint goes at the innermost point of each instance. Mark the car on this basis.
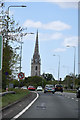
(78, 93)
(59, 87)
(31, 88)
(16, 87)
(39, 88)
(49, 88)
(24, 87)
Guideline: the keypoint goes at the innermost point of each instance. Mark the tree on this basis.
(48, 77)
(11, 34)
(36, 81)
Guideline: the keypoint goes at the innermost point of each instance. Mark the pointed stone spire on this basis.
(36, 51)
(36, 61)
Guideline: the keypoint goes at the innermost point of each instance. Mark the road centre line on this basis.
(66, 96)
(72, 98)
(18, 115)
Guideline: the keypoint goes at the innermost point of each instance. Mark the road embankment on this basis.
(12, 109)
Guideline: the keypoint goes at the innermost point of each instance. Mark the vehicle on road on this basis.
(39, 88)
(78, 93)
(58, 87)
(31, 88)
(16, 87)
(49, 88)
(24, 87)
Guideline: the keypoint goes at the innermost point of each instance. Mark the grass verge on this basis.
(11, 98)
(70, 91)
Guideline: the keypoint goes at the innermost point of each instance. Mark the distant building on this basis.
(36, 61)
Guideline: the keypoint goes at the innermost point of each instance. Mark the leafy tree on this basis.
(48, 77)
(68, 81)
(36, 81)
(11, 33)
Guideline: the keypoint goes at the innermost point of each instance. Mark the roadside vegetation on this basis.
(70, 91)
(11, 98)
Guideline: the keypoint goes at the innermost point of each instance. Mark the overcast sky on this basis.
(57, 24)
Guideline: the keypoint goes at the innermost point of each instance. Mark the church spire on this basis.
(36, 61)
(36, 51)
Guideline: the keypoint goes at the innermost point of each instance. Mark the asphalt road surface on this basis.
(58, 105)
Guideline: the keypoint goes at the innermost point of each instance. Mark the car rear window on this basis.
(49, 86)
(58, 85)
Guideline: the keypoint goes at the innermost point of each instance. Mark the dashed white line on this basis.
(68, 97)
(76, 100)
(72, 98)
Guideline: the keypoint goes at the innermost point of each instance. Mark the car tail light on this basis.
(52, 88)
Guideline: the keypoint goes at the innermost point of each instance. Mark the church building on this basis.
(36, 61)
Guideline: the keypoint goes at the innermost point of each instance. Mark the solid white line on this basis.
(18, 115)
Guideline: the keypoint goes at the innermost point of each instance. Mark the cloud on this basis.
(72, 41)
(59, 50)
(48, 37)
(67, 4)
(45, 36)
(60, 3)
(41, 0)
(55, 25)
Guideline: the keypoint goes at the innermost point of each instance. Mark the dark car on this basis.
(59, 88)
(78, 93)
(49, 88)
(31, 88)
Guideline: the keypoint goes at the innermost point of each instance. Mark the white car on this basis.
(39, 88)
(24, 87)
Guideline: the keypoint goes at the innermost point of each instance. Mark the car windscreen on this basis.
(58, 85)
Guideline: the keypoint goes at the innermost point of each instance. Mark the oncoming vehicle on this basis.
(78, 93)
(39, 88)
(31, 88)
(24, 87)
(58, 87)
(49, 88)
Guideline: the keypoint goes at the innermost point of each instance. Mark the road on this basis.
(58, 105)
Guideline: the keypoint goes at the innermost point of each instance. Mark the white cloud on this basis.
(55, 25)
(47, 37)
(59, 50)
(67, 4)
(72, 41)
(60, 3)
(41, 0)
(61, 0)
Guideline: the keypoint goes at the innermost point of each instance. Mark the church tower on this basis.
(36, 61)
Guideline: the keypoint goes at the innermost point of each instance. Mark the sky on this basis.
(57, 24)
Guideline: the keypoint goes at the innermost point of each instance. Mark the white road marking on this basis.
(76, 100)
(68, 97)
(18, 115)
(72, 98)
(20, 105)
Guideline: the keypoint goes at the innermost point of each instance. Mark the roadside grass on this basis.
(0, 90)
(0, 102)
(11, 98)
(70, 91)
